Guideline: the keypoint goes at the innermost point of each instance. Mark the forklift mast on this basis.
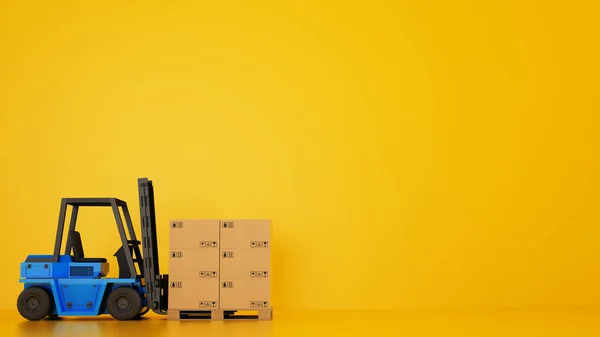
(157, 285)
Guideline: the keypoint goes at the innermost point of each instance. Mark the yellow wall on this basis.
(410, 154)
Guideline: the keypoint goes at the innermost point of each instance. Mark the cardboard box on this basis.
(245, 263)
(194, 294)
(189, 264)
(245, 294)
(194, 234)
(242, 234)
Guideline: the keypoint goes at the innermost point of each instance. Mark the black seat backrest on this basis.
(76, 245)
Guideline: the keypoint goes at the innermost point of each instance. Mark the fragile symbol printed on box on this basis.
(259, 244)
(177, 255)
(228, 224)
(228, 255)
(207, 304)
(208, 244)
(208, 274)
(177, 224)
(227, 284)
(259, 274)
(259, 304)
(177, 284)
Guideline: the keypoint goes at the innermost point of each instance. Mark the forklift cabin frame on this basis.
(124, 254)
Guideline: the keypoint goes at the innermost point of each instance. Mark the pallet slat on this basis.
(219, 315)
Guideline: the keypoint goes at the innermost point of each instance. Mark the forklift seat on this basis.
(77, 247)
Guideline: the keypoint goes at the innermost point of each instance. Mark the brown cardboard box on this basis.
(242, 234)
(245, 263)
(245, 294)
(194, 294)
(194, 234)
(184, 264)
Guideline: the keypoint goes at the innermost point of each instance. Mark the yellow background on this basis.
(411, 154)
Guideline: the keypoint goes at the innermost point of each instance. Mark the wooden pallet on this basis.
(219, 315)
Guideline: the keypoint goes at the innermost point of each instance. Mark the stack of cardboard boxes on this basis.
(220, 266)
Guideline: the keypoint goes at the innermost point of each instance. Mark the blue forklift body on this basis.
(76, 288)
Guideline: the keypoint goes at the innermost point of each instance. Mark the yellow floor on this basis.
(311, 324)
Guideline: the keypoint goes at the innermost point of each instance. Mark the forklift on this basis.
(72, 284)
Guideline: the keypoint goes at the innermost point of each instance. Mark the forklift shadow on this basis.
(65, 327)
(59, 328)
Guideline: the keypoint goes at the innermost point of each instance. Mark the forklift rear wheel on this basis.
(34, 303)
(124, 303)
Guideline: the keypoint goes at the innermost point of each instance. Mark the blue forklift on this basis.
(72, 284)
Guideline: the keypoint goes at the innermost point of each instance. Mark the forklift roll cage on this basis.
(125, 258)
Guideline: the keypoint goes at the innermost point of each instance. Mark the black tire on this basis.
(34, 303)
(124, 303)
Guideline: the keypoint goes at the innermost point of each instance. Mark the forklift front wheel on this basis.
(34, 303)
(124, 303)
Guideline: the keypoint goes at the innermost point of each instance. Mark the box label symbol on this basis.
(259, 304)
(177, 224)
(207, 304)
(177, 255)
(259, 244)
(208, 244)
(227, 284)
(208, 274)
(228, 224)
(259, 274)
(228, 255)
(177, 284)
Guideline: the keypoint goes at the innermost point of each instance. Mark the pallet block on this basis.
(218, 315)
